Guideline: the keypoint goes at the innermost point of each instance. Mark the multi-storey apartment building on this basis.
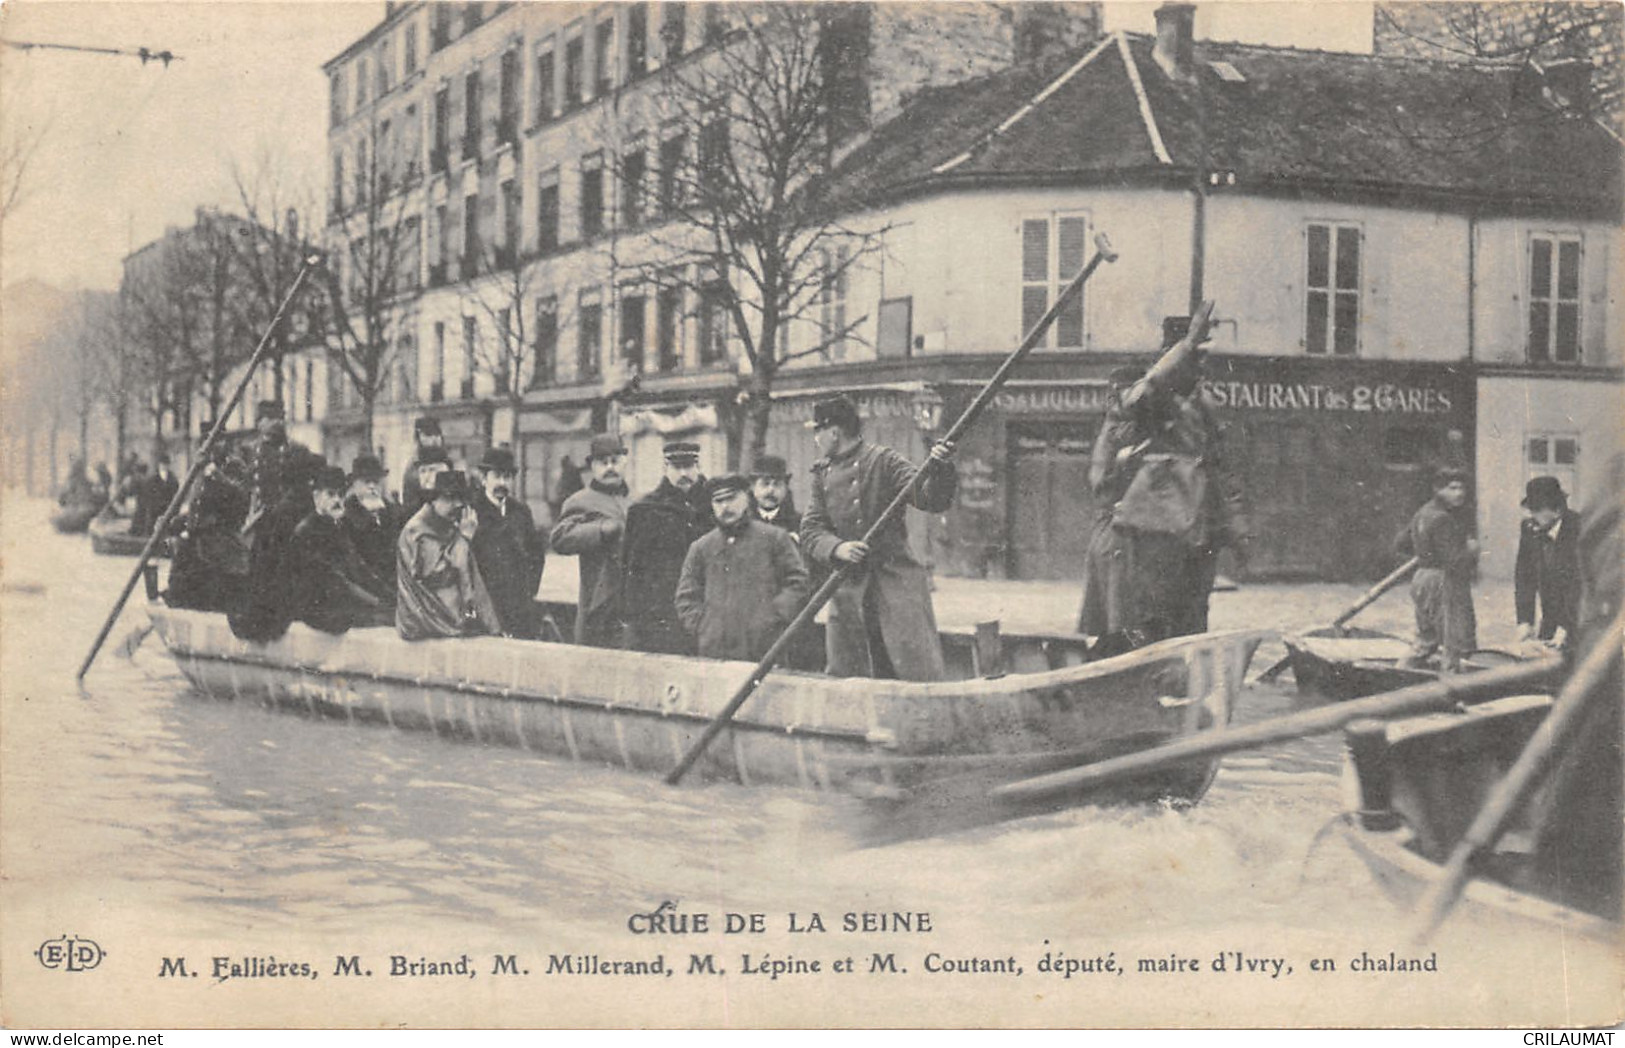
(1388, 245)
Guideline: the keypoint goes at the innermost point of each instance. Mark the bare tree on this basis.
(739, 220)
(270, 253)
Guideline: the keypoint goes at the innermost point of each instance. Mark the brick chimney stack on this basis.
(1175, 48)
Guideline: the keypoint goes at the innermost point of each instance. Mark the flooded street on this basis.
(161, 823)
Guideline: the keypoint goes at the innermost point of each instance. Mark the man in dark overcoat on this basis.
(1547, 574)
(881, 623)
(742, 582)
(153, 496)
(507, 548)
(589, 527)
(210, 568)
(332, 587)
(770, 488)
(372, 519)
(268, 606)
(660, 527)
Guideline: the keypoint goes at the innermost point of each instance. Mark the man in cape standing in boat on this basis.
(881, 623)
(660, 527)
(590, 526)
(439, 591)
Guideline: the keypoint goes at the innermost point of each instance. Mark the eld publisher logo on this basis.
(70, 954)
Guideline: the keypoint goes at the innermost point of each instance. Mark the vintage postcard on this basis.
(735, 515)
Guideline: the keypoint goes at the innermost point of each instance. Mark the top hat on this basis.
(449, 483)
(367, 467)
(1544, 493)
(267, 410)
(681, 452)
(605, 445)
(498, 460)
(726, 484)
(836, 411)
(770, 466)
(329, 478)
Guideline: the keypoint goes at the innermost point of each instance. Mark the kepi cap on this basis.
(726, 484)
(836, 411)
(681, 452)
(266, 410)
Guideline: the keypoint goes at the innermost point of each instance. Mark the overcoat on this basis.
(210, 569)
(375, 533)
(333, 588)
(1547, 574)
(511, 556)
(660, 527)
(439, 591)
(268, 604)
(589, 527)
(890, 595)
(739, 589)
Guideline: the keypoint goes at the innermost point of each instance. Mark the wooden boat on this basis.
(75, 517)
(110, 535)
(1351, 663)
(1420, 782)
(642, 711)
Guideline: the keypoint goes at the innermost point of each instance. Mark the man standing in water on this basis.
(881, 623)
(1440, 537)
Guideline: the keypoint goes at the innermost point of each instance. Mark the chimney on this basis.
(1175, 52)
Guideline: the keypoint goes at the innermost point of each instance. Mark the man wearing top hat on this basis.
(333, 588)
(439, 591)
(372, 518)
(660, 527)
(589, 527)
(1547, 573)
(742, 581)
(509, 552)
(881, 623)
(428, 458)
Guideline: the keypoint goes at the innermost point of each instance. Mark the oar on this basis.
(1438, 695)
(162, 524)
(821, 596)
(1583, 689)
(1352, 610)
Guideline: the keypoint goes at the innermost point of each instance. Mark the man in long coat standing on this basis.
(660, 527)
(881, 623)
(507, 548)
(590, 525)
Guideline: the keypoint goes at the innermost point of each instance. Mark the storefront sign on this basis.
(1065, 400)
(1386, 398)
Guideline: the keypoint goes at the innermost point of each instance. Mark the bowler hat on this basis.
(367, 467)
(266, 410)
(426, 427)
(1447, 475)
(681, 452)
(329, 478)
(498, 460)
(449, 483)
(1544, 493)
(605, 445)
(770, 466)
(836, 411)
(429, 456)
(726, 484)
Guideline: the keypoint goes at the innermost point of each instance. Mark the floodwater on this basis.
(160, 823)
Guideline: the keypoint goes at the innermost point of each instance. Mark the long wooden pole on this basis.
(822, 595)
(1438, 695)
(1352, 610)
(1582, 690)
(162, 524)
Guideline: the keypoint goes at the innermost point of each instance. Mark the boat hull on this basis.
(110, 536)
(73, 520)
(1341, 666)
(642, 711)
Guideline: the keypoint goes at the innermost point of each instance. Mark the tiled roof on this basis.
(1301, 119)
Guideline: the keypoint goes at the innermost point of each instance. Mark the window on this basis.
(589, 335)
(410, 50)
(546, 103)
(442, 248)
(338, 184)
(335, 108)
(504, 349)
(1554, 298)
(471, 334)
(547, 212)
(714, 25)
(437, 389)
(832, 303)
(668, 318)
(545, 364)
(1555, 455)
(1332, 309)
(632, 327)
(573, 73)
(310, 390)
(896, 331)
(385, 63)
(1052, 249)
(508, 98)
(1409, 447)
(637, 39)
(472, 15)
(673, 26)
(360, 83)
(471, 115)
(471, 235)
(632, 172)
(411, 252)
(603, 58)
(592, 195)
(442, 129)
(386, 155)
(713, 159)
(672, 151)
(439, 26)
(510, 223)
(412, 132)
(713, 321)
(406, 369)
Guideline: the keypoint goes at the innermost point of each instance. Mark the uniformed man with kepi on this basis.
(881, 623)
(660, 527)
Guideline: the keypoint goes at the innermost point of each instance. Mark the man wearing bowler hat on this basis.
(660, 527)
(331, 587)
(428, 458)
(372, 518)
(439, 590)
(507, 548)
(881, 623)
(770, 487)
(590, 525)
(1548, 574)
